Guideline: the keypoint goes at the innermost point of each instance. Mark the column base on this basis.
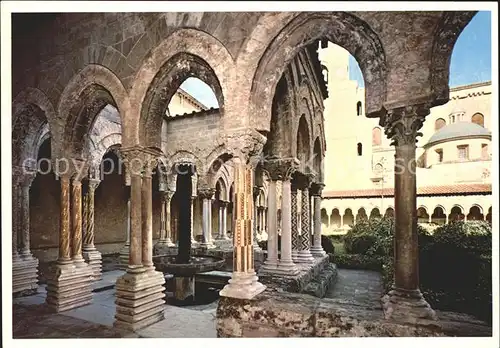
(194, 244)
(256, 247)
(287, 268)
(94, 259)
(408, 306)
(243, 285)
(139, 299)
(69, 286)
(124, 256)
(269, 266)
(208, 245)
(317, 251)
(184, 289)
(24, 275)
(165, 242)
(305, 256)
(295, 255)
(223, 237)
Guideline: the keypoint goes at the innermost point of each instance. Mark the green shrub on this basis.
(358, 261)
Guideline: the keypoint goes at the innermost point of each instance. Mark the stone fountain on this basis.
(184, 266)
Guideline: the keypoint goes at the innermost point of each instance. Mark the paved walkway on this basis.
(358, 287)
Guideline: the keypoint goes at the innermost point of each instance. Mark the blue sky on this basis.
(470, 61)
(471, 57)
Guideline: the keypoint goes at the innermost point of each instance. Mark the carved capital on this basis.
(256, 192)
(140, 160)
(93, 184)
(223, 204)
(281, 168)
(402, 125)
(166, 196)
(246, 144)
(302, 181)
(316, 189)
(206, 193)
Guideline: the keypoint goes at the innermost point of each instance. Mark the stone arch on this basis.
(475, 213)
(478, 118)
(225, 176)
(446, 34)
(214, 163)
(183, 157)
(389, 212)
(456, 213)
(32, 112)
(335, 218)
(439, 215)
(324, 218)
(303, 148)
(318, 160)
(375, 214)
(348, 217)
(343, 29)
(488, 216)
(422, 215)
(98, 150)
(221, 190)
(185, 53)
(86, 94)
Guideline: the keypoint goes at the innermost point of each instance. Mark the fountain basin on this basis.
(197, 264)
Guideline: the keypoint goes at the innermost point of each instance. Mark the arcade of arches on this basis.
(97, 160)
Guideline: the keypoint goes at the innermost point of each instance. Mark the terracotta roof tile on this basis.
(426, 190)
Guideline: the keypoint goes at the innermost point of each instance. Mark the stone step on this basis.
(319, 286)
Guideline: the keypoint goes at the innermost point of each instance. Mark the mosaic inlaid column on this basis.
(140, 291)
(286, 263)
(64, 222)
(90, 254)
(304, 255)
(244, 282)
(206, 195)
(296, 246)
(317, 249)
(223, 220)
(76, 222)
(405, 301)
(69, 280)
(256, 192)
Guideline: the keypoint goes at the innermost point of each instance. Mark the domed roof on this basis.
(459, 130)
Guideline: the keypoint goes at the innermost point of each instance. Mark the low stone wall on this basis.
(298, 282)
(283, 314)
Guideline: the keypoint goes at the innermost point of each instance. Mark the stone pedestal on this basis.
(139, 299)
(24, 275)
(68, 287)
(407, 306)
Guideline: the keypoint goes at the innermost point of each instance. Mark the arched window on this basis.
(360, 149)
(376, 136)
(485, 154)
(324, 70)
(358, 108)
(478, 118)
(440, 123)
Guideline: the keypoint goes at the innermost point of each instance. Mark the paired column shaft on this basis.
(76, 219)
(135, 253)
(147, 221)
(272, 237)
(286, 263)
(64, 224)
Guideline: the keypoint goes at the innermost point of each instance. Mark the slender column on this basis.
(25, 214)
(294, 227)
(15, 218)
(135, 253)
(341, 219)
(223, 220)
(140, 291)
(244, 282)
(64, 233)
(271, 262)
(256, 192)
(286, 264)
(194, 243)
(165, 218)
(125, 250)
(405, 301)
(76, 219)
(147, 214)
(206, 195)
(305, 255)
(90, 253)
(317, 249)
